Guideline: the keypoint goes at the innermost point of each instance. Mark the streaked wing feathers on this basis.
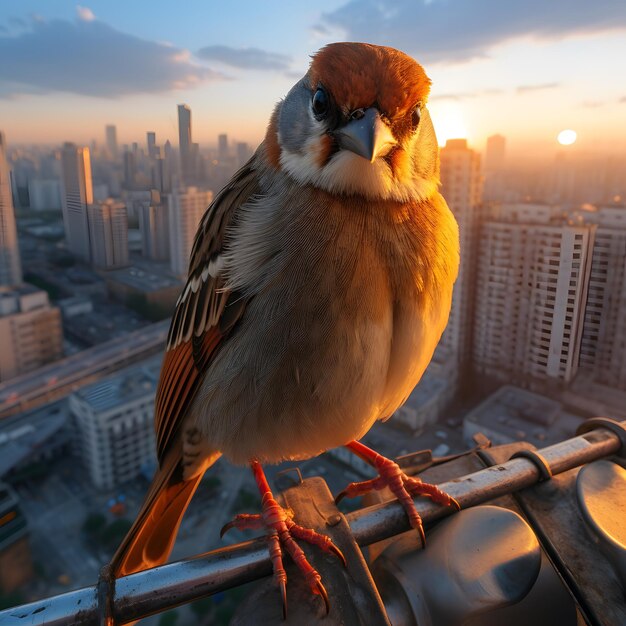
(197, 328)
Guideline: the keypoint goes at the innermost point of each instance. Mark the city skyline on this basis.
(525, 75)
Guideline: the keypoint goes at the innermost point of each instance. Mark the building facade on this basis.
(184, 142)
(77, 195)
(186, 206)
(31, 333)
(114, 420)
(108, 232)
(603, 349)
(154, 228)
(461, 187)
(10, 267)
(531, 290)
(111, 141)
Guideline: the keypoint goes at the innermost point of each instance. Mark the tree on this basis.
(168, 619)
(94, 523)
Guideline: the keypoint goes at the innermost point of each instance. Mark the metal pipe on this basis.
(165, 587)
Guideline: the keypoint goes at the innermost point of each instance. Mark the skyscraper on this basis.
(461, 187)
(130, 169)
(495, 182)
(603, 348)
(222, 147)
(108, 230)
(10, 268)
(184, 142)
(154, 228)
(185, 208)
(495, 153)
(151, 142)
(531, 290)
(243, 153)
(111, 140)
(77, 195)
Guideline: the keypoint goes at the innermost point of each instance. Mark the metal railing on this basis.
(168, 586)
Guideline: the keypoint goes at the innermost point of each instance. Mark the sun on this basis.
(567, 137)
(449, 122)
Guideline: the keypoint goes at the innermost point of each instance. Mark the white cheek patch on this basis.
(348, 173)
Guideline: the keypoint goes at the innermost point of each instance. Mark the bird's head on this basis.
(357, 124)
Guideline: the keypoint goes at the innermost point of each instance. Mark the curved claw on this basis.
(338, 553)
(283, 595)
(454, 502)
(341, 496)
(422, 536)
(322, 591)
(226, 527)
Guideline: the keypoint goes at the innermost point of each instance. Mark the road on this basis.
(60, 378)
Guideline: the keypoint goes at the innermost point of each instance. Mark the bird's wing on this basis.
(205, 312)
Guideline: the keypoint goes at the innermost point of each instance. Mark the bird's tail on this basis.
(150, 539)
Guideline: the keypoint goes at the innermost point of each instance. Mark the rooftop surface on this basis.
(520, 415)
(22, 434)
(144, 278)
(129, 384)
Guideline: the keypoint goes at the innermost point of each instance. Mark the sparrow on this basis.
(320, 282)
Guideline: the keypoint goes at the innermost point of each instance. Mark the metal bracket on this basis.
(354, 598)
(545, 473)
(106, 596)
(617, 428)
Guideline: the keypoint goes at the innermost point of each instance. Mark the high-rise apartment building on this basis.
(108, 230)
(495, 187)
(531, 290)
(222, 147)
(154, 228)
(184, 143)
(186, 206)
(130, 169)
(44, 194)
(10, 268)
(243, 153)
(31, 334)
(77, 194)
(461, 187)
(495, 153)
(151, 143)
(603, 349)
(111, 141)
(114, 419)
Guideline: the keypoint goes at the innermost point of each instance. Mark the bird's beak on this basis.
(368, 136)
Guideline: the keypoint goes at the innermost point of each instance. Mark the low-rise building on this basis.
(514, 414)
(429, 399)
(16, 565)
(31, 334)
(114, 419)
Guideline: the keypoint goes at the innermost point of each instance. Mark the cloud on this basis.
(591, 104)
(467, 95)
(246, 58)
(531, 88)
(91, 58)
(456, 30)
(85, 14)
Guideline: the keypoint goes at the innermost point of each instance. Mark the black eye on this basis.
(417, 115)
(319, 103)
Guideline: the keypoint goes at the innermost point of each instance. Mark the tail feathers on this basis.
(151, 538)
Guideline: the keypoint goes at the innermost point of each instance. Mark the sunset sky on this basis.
(524, 69)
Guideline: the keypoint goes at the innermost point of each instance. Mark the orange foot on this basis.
(281, 531)
(401, 485)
